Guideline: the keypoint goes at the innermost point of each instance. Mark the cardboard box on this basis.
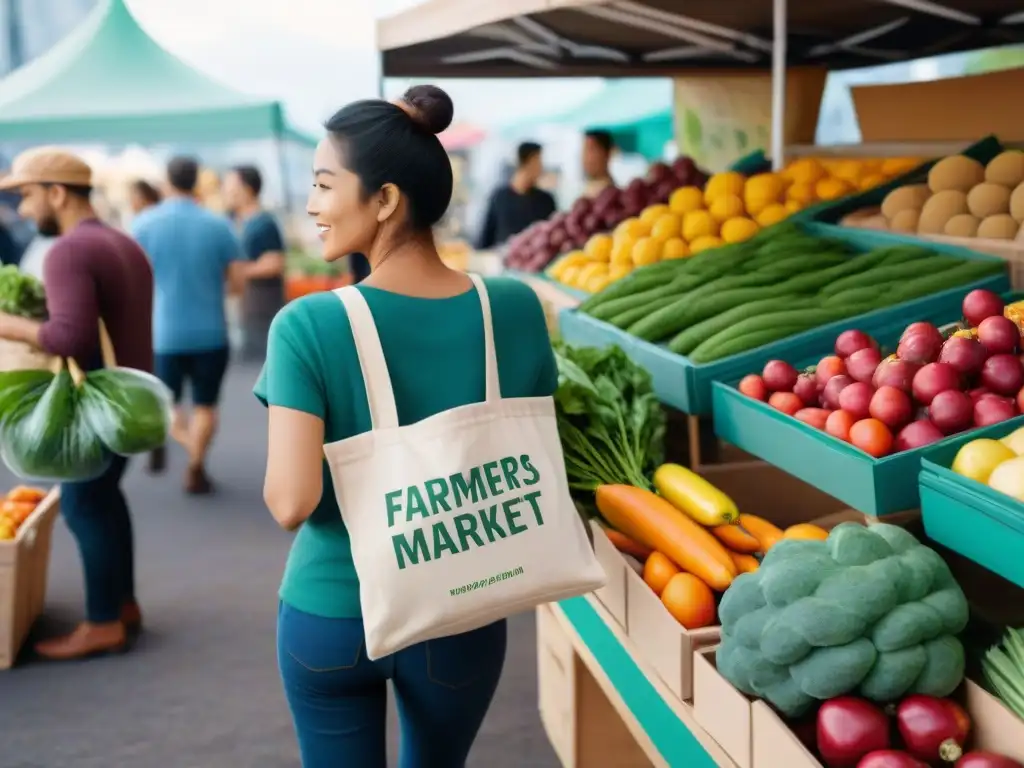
(24, 563)
(613, 594)
(556, 685)
(995, 729)
(662, 642)
(720, 709)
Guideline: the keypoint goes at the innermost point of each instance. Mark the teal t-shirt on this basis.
(434, 350)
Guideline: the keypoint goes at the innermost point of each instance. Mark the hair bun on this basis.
(429, 107)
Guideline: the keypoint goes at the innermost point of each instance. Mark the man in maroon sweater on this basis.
(92, 273)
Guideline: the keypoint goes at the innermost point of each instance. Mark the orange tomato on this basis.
(753, 386)
(658, 572)
(872, 437)
(689, 600)
(805, 531)
(816, 417)
(786, 402)
(838, 424)
(736, 539)
(26, 493)
(828, 367)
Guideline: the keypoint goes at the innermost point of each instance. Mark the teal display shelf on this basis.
(970, 518)
(669, 728)
(688, 387)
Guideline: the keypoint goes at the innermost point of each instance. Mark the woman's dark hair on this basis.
(396, 143)
(146, 191)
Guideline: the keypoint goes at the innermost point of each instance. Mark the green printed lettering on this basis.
(465, 525)
(415, 551)
(532, 498)
(468, 491)
(493, 478)
(509, 467)
(511, 515)
(437, 492)
(392, 506)
(489, 518)
(443, 540)
(414, 504)
(524, 462)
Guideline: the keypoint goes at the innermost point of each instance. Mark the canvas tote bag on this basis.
(458, 520)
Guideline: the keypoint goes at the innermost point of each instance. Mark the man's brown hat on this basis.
(47, 165)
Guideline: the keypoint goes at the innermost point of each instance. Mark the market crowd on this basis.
(160, 289)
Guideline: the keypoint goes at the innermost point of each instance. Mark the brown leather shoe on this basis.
(197, 482)
(87, 640)
(131, 617)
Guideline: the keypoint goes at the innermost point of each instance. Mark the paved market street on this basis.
(201, 688)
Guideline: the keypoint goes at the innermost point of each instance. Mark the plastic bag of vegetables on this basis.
(16, 386)
(869, 610)
(128, 410)
(47, 438)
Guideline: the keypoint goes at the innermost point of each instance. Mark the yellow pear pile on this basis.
(963, 198)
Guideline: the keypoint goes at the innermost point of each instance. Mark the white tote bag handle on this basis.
(379, 392)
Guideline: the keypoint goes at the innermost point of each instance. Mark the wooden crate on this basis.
(24, 563)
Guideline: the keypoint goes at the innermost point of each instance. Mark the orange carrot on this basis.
(626, 545)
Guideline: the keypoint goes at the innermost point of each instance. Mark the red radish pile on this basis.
(930, 388)
(538, 245)
(924, 731)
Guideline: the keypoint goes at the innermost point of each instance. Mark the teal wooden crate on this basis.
(970, 518)
(833, 211)
(873, 486)
(687, 387)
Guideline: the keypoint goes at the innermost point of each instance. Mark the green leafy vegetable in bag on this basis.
(15, 386)
(21, 294)
(129, 410)
(611, 424)
(46, 437)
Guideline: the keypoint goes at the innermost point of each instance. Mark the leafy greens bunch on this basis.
(21, 294)
(611, 424)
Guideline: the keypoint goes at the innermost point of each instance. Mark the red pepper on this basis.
(979, 759)
(933, 730)
(848, 729)
(890, 758)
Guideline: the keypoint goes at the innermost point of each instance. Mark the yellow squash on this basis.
(695, 496)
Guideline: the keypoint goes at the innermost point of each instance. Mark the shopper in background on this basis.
(597, 154)
(261, 275)
(381, 181)
(191, 249)
(517, 205)
(92, 273)
(142, 195)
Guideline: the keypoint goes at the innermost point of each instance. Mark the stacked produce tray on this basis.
(685, 383)
(971, 518)
(832, 212)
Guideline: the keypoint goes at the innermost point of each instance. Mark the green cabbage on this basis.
(869, 611)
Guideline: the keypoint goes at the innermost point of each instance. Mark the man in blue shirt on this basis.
(191, 250)
(262, 274)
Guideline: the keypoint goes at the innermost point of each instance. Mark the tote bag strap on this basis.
(490, 356)
(379, 395)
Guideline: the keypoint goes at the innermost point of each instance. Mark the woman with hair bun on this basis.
(381, 181)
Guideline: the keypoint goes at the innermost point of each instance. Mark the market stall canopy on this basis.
(109, 81)
(556, 38)
(461, 136)
(637, 112)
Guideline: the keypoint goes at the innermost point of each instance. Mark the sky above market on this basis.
(316, 55)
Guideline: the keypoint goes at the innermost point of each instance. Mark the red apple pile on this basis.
(932, 387)
(539, 244)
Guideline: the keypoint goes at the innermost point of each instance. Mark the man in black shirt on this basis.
(514, 207)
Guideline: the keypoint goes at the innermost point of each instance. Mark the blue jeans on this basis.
(96, 513)
(338, 697)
